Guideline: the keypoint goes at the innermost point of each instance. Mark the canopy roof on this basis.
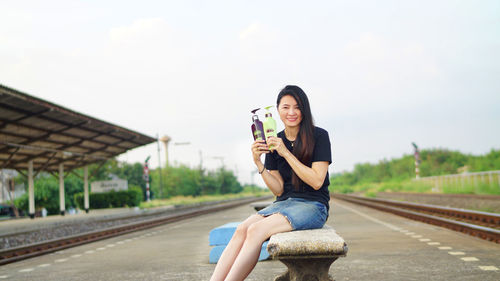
(49, 134)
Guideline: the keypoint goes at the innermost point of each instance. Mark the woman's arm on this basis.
(271, 178)
(314, 176)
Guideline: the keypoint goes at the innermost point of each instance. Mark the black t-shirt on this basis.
(322, 152)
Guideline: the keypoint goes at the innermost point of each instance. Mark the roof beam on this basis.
(35, 130)
(49, 133)
(26, 116)
(10, 157)
(61, 121)
(45, 165)
(92, 151)
(90, 139)
(59, 143)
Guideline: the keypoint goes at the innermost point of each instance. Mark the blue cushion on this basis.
(216, 252)
(222, 234)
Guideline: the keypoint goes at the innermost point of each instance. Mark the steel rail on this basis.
(475, 217)
(23, 252)
(461, 196)
(401, 209)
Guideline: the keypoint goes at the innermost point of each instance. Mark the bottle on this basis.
(269, 125)
(257, 128)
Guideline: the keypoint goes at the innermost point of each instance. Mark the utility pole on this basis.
(201, 160)
(252, 174)
(159, 166)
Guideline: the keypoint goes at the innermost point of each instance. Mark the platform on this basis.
(27, 224)
(382, 246)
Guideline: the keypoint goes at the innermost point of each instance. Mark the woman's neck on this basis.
(291, 133)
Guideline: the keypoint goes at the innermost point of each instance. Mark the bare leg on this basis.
(233, 248)
(257, 233)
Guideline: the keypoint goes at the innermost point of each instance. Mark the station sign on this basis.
(106, 186)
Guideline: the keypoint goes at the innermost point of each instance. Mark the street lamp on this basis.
(166, 140)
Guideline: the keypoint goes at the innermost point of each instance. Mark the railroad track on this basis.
(480, 224)
(24, 252)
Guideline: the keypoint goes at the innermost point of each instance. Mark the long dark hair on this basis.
(304, 143)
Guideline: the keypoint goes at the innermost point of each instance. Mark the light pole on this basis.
(166, 140)
(201, 160)
(181, 143)
(219, 158)
(252, 174)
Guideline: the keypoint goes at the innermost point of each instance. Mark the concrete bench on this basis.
(307, 254)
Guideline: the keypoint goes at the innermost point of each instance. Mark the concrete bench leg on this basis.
(311, 269)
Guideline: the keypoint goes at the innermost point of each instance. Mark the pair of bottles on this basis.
(263, 130)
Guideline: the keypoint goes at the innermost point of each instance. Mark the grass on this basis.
(480, 188)
(188, 200)
(371, 189)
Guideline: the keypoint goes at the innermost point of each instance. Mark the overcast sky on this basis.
(379, 74)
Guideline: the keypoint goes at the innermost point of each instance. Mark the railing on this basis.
(489, 179)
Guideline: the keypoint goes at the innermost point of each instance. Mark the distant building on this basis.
(6, 183)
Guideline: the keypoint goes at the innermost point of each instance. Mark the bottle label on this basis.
(258, 134)
(270, 130)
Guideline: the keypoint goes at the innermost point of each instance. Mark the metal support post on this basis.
(61, 189)
(2, 187)
(31, 190)
(86, 188)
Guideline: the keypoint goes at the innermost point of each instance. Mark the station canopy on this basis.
(32, 129)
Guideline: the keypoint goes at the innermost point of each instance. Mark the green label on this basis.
(257, 134)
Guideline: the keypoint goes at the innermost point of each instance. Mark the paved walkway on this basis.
(382, 246)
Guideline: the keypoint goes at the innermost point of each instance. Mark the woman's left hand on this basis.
(277, 144)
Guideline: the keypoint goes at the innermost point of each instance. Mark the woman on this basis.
(296, 171)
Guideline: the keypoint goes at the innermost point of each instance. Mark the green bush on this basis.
(396, 174)
(341, 188)
(184, 181)
(371, 194)
(46, 195)
(113, 199)
(480, 188)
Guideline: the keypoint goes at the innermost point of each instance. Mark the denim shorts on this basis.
(301, 213)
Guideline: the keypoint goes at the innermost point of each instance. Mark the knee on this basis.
(256, 233)
(241, 231)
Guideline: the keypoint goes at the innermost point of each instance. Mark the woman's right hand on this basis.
(258, 148)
